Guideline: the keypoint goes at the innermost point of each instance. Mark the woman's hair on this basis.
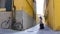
(40, 17)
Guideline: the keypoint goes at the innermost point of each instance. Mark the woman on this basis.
(41, 23)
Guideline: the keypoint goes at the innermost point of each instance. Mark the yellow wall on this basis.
(18, 4)
(54, 14)
(57, 14)
(27, 7)
(23, 5)
(51, 14)
(37, 20)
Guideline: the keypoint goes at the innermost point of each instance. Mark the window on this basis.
(8, 5)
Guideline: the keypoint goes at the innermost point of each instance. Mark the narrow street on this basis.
(33, 30)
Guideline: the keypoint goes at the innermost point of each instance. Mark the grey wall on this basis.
(28, 21)
(4, 16)
(2, 3)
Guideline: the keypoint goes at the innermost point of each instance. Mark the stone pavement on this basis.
(33, 30)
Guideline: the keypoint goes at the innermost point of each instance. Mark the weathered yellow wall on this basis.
(51, 14)
(49, 11)
(28, 9)
(54, 14)
(57, 14)
(23, 5)
(37, 19)
(18, 4)
(2, 9)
